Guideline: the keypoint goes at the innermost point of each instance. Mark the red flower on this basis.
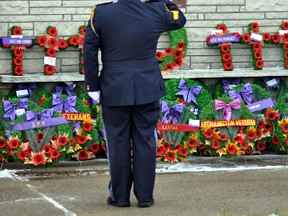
(54, 154)
(275, 140)
(276, 38)
(284, 128)
(250, 151)
(251, 135)
(52, 42)
(62, 140)
(228, 65)
(3, 143)
(183, 152)
(285, 37)
(52, 31)
(244, 145)
(237, 34)
(18, 70)
(237, 139)
(87, 126)
(231, 149)
(81, 139)
(208, 38)
(83, 155)
(266, 36)
(208, 133)
(258, 54)
(6, 45)
(169, 66)
(261, 124)
(160, 151)
(74, 40)
(62, 43)
(223, 137)
(18, 52)
(95, 147)
(170, 156)
(260, 146)
(72, 141)
(285, 25)
(46, 149)
(246, 38)
(222, 27)
(225, 48)
(81, 40)
(192, 143)
(22, 155)
(286, 55)
(259, 64)
(285, 46)
(254, 26)
(18, 61)
(257, 46)
(82, 30)
(258, 133)
(166, 146)
(40, 136)
(51, 52)
(42, 100)
(178, 54)
(159, 55)
(215, 144)
(82, 70)
(168, 51)
(17, 31)
(272, 114)
(38, 159)
(226, 57)
(49, 69)
(42, 41)
(178, 62)
(268, 127)
(181, 46)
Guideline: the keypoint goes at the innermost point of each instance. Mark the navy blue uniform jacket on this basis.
(127, 34)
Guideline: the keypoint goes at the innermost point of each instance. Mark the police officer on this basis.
(130, 85)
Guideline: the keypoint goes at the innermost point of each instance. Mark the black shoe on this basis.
(118, 204)
(145, 204)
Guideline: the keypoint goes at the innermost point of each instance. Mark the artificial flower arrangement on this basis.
(52, 43)
(173, 56)
(284, 41)
(17, 51)
(224, 85)
(224, 44)
(78, 42)
(96, 110)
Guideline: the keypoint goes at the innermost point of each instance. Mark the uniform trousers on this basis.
(131, 149)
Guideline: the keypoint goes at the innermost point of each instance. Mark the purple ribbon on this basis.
(68, 89)
(227, 112)
(176, 111)
(246, 92)
(274, 85)
(30, 87)
(68, 104)
(226, 84)
(188, 93)
(10, 108)
(44, 115)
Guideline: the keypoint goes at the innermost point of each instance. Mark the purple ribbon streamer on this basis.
(246, 92)
(260, 105)
(68, 89)
(10, 108)
(68, 104)
(176, 111)
(226, 84)
(227, 108)
(30, 87)
(188, 93)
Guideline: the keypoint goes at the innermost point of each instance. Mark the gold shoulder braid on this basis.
(175, 12)
(91, 20)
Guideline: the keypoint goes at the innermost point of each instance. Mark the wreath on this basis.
(223, 85)
(2, 96)
(173, 56)
(227, 141)
(175, 146)
(284, 41)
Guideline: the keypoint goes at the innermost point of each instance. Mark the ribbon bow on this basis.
(68, 104)
(246, 92)
(188, 93)
(227, 112)
(44, 115)
(68, 89)
(10, 108)
(227, 83)
(30, 87)
(176, 110)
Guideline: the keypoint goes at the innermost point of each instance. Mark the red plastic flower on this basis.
(52, 42)
(285, 46)
(181, 46)
(51, 52)
(260, 146)
(259, 64)
(208, 38)
(38, 158)
(159, 55)
(246, 38)
(166, 146)
(286, 55)
(168, 51)
(226, 57)
(81, 139)
(42, 41)
(3, 143)
(266, 36)
(285, 37)
(258, 54)
(18, 52)
(275, 140)
(244, 145)
(62, 140)
(258, 133)
(272, 114)
(62, 43)
(251, 134)
(231, 149)
(83, 155)
(170, 156)
(49, 69)
(54, 154)
(276, 38)
(228, 65)
(192, 143)
(225, 48)
(46, 149)
(178, 62)
(183, 152)
(215, 144)
(18, 70)
(223, 137)
(22, 155)
(237, 139)
(169, 66)
(261, 124)
(178, 54)
(18, 61)
(268, 127)
(160, 151)
(285, 25)
(222, 27)
(257, 46)
(95, 147)
(237, 34)
(87, 126)
(74, 40)
(82, 30)
(52, 31)
(17, 31)
(284, 128)
(254, 26)
(208, 133)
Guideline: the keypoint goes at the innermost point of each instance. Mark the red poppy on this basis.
(87, 126)
(95, 147)
(258, 133)
(82, 70)
(49, 69)
(250, 151)
(170, 156)
(54, 154)
(18, 70)
(285, 25)
(259, 64)
(272, 114)
(260, 146)
(52, 42)
(237, 34)
(226, 57)
(275, 140)
(251, 135)
(18, 61)
(228, 65)
(178, 62)
(244, 145)
(246, 38)
(208, 133)
(81, 41)
(208, 38)
(160, 151)
(17, 31)
(276, 38)
(51, 52)
(237, 139)
(18, 52)
(258, 54)
(103, 146)
(159, 55)
(285, 46)
(40, 136)
(215, 144)
(81, 139)
(223, 137)
(286, 55)
(6, 45)
(62, 140)
(231, 149)
(192, 143)
(286, 140)
(42, 100)
(268, 127)
(72, 141)
(3, 143)
(284, 128)
(74, 40)
(22, 155)
(181, 46)
(42, 41)
(52, 31)
(38, 159)
(169, 66)
(166, 146)
(168, 51)
(225, 48)
(62, 43)
(257, 46)
(178, 54)
(183, 152)
(222, 27)
(285, 37)
(82, 30)
(254, 26)
(266, 37)
(261, 124)
(83, 155)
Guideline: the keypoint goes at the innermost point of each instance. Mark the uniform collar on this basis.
(129, 0)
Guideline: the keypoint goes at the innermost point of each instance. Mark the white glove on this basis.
(95, 95)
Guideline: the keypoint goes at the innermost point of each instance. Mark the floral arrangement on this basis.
(100, 127)
(17, 52)
(284, 40)
(78, 42)
(52, 44)
(175, 146)
(173, 56)
(226, 56)
(223, 85)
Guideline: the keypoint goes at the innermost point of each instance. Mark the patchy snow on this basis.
(11, 174)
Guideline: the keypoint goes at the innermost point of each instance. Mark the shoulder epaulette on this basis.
(104, 3)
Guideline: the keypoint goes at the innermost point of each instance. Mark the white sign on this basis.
(282, 32)
(50, 61)
(194, 122)
(256, 37)
(217, 32)
(22, 93)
